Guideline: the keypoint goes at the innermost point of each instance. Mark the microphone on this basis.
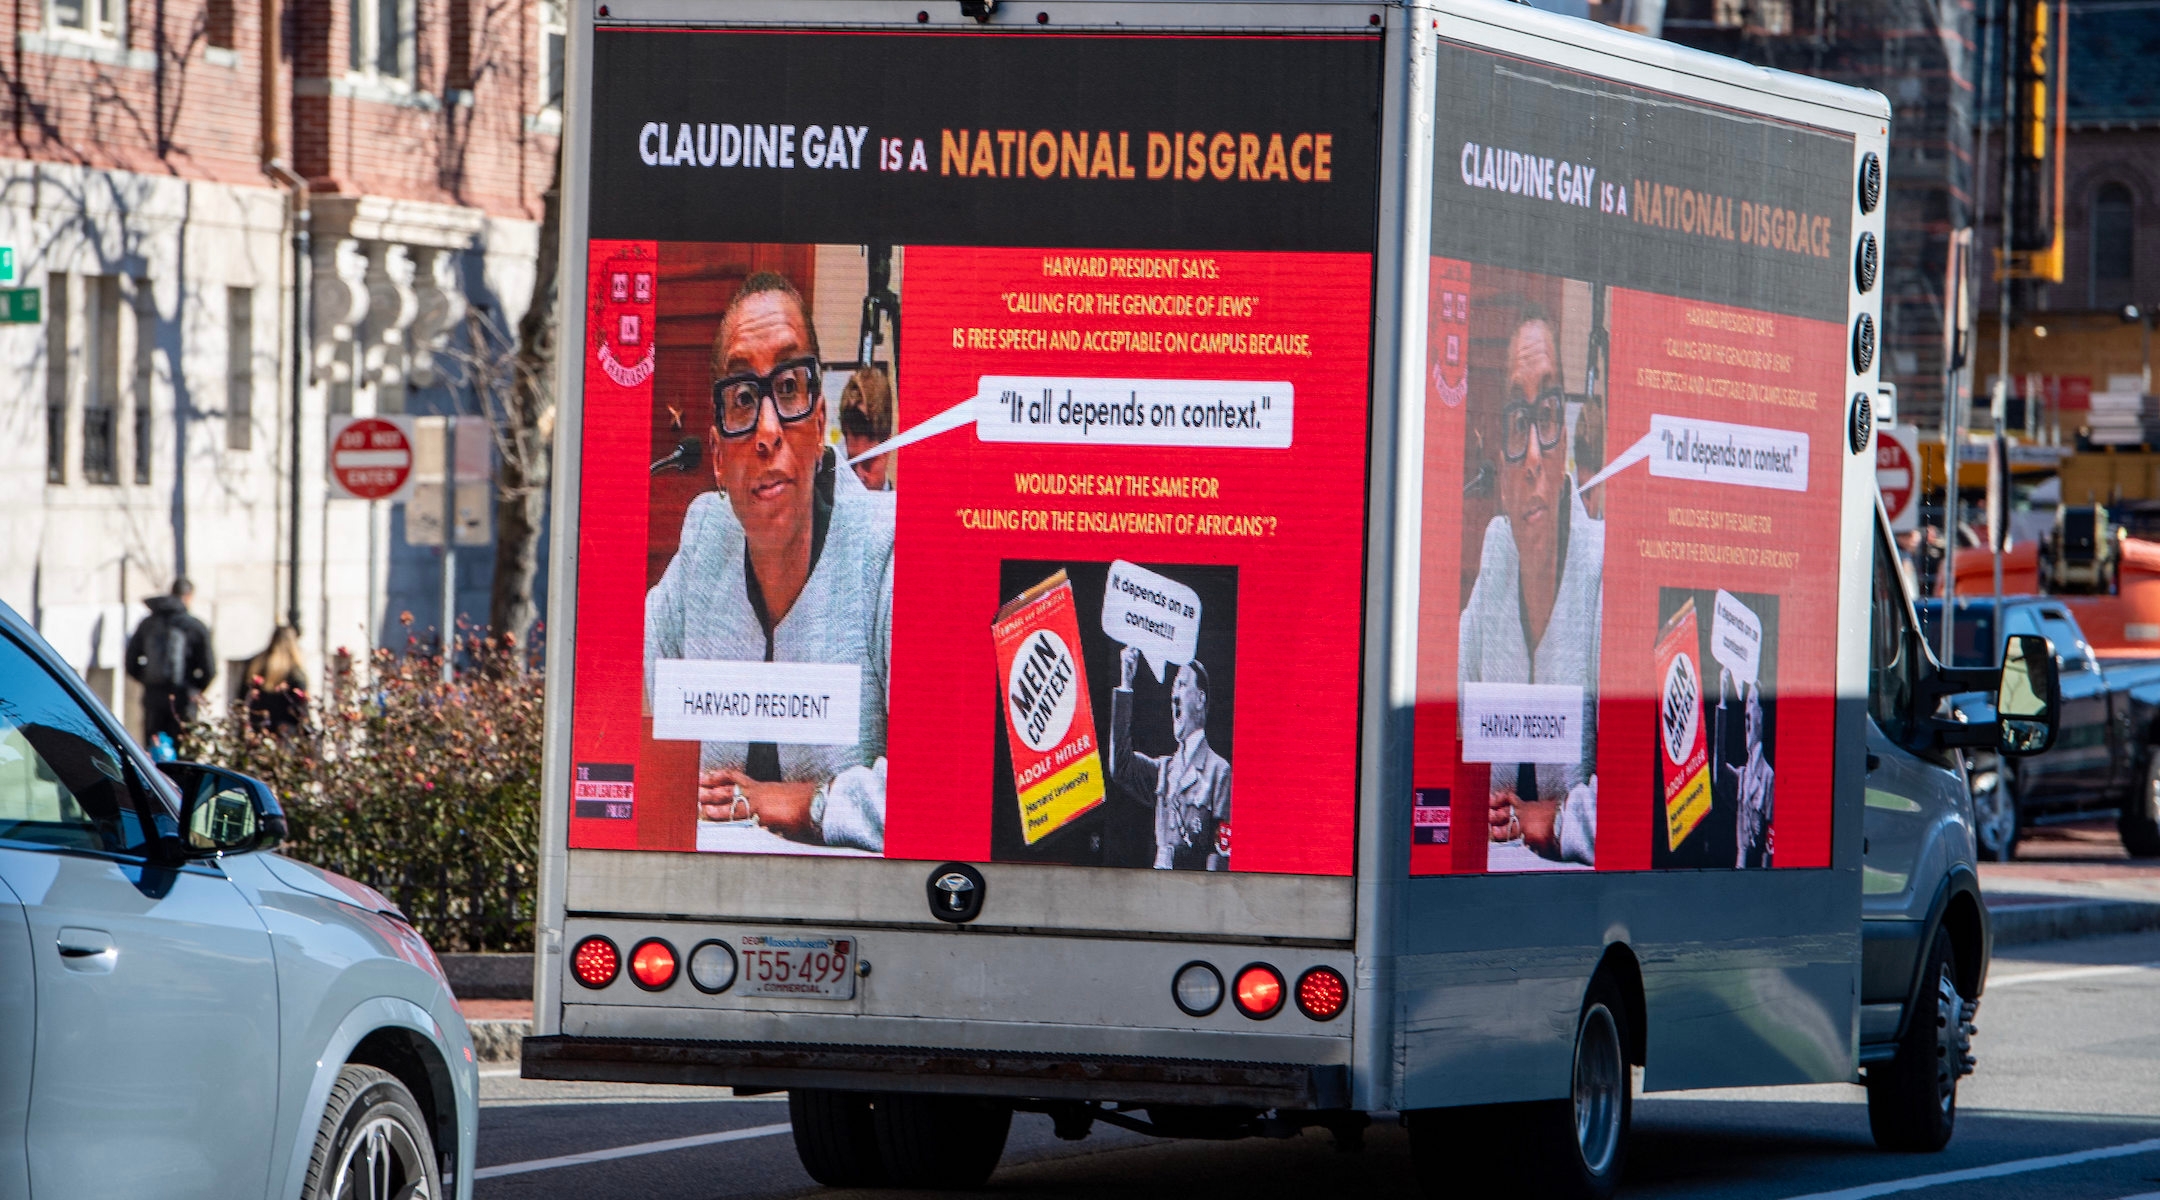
(687, 454)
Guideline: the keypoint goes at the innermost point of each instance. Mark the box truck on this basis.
(1220, 568)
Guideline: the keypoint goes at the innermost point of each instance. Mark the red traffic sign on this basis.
(1897, 474)
(370, 457)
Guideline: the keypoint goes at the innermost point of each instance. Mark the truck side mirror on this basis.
(2028, 697)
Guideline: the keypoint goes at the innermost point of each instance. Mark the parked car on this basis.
(247, 1024)
(2102, 763)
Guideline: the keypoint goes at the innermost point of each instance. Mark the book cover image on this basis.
(1049, 723)
(1733, 641)
(1128, 765)
(1683, 757)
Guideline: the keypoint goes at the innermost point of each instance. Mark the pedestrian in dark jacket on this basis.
(170, 655)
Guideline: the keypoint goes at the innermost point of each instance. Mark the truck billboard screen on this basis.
(1633, 459)
(973, 446)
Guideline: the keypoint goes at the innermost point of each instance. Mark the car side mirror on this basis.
(2028, 697)
(224, 812)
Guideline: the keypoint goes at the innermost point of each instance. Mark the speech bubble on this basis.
(1055, 410)
(1736, 637)
(1154, 614)
(1721, 452)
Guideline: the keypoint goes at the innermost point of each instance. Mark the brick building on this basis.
(167, 416)
(2072, 339)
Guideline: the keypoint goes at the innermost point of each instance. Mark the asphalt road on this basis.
(2065, 1106)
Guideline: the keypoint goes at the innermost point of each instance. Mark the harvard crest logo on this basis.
(622, 317)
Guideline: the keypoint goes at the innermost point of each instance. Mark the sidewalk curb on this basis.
(2025, 924)
(498, 1041)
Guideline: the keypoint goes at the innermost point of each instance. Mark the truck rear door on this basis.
(968, 462)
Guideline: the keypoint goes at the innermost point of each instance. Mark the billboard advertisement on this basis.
(1632, 483)
(973, 447)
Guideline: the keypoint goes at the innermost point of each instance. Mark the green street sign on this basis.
(7, 264)
(21, 306)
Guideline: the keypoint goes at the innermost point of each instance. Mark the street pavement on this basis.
(2065, 1106)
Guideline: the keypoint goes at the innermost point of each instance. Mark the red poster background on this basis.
(1299, 583)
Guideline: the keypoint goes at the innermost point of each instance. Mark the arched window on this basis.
(2113, 244)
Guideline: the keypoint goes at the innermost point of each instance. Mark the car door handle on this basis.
(89, 950)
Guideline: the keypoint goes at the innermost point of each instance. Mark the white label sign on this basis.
(1154, 614)
(1736, 638)
(1522, 722)
(787, 703)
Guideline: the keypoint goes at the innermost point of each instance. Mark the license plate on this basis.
(800, 965)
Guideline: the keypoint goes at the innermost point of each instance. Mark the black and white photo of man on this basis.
(1189, 787)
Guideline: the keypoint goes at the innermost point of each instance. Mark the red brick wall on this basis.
(474, 152)
(195, 119)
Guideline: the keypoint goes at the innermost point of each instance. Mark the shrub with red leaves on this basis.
(425, 789)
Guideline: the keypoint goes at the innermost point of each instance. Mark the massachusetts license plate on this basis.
(797, 964)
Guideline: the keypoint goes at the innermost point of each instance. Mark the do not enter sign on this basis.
(371, 458)
(1897, 474)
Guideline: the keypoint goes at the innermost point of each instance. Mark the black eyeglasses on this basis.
(793, 387)
(1548, 416)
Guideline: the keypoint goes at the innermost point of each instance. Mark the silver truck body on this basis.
(1465, 988)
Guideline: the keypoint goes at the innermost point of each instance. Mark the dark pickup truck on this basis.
(2102, 763)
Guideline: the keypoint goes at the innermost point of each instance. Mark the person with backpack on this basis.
(170, 655)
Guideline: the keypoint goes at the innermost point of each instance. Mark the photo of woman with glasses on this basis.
(1533, 612)
(788, 559)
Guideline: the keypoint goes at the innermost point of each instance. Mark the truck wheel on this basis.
(2139, 822)
(1585, 1136)
(1912, 1099)
(948, 1142)
(373, 1143)
(1995, 810)
(836, 1137)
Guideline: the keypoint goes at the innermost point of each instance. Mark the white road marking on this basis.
(499, 1072)
(633, 1151)
(2067, 973)
(1914, 1183)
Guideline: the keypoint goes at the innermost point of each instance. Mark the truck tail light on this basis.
(1259, 991)
(1197, 988)
(652, 964)
(712, 967)
(1321, 993)
(595, 962)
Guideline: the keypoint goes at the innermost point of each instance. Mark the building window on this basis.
(56, 378)
(101, 402)
(2113, 245)
(104, 19)
(553, 31)
(381, 38)
(145, 398)
(218, 25)
(239, 368)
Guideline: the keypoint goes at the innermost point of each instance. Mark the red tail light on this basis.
(595, 962)
(1321, 993)
(652, 964)
(1259, 991)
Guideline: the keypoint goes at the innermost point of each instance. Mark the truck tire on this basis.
(373, 1142)
(2139, 821)
(1582, 1147)
(836, 1137)
(1912, 1099)
(943, 1142)
(1572, 1149)
(1996, 819)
